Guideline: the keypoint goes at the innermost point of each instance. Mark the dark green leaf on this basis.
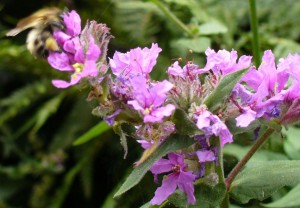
(9, 187)
(184, 125)
(74, 124)
(261, 179)
(171, 144)
(216, 99)
(49, 108)
(21, 99)
(92, 133)
(206, 196)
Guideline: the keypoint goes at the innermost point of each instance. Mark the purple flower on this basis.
(149, 100)
(289, 66)
(73, 23)
(135, 62)
(246, 117)
(178, 177)
(205, 156)
(224, 62)
(60, 61)
(267, 83)
(110, 119)
(145, 144)
(291, 105)
(188, 70)
(176, 70)
(212, 125)
(79, 53)
(83, 63)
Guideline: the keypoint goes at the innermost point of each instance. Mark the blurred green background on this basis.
(39, 166)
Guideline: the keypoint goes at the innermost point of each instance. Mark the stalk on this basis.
(172, 17)
(254, 28)
(247, 157)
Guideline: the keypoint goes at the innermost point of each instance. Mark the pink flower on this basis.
(178, 177)
(267, 83)
(79, 54)
(135, 62)
(82, 64)
(73, 23)
(212, 125)
(225, 62)
(149, 100)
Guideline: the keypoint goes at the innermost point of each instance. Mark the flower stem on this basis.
(247, 157)
(172, 17)
(254, 28)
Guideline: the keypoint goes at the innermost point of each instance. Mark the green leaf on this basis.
(271, 124)
(291, 145)
(74, 123)
(49, 108)
(172, 17)
(92, 133)
(206, 196)
(261, 179)
(147, 205)
(283, 47)
(211, 28)
(231, 124)
(183, 124)
(217, 97)
(9, 187)
(22, 99)
(123, 137)
(198, 44)
(171, 144)
(261, 155)
(291, 199)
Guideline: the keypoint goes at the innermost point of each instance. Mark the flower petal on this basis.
(60, 61)
(167, 188)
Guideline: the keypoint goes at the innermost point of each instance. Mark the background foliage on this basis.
(40, 166)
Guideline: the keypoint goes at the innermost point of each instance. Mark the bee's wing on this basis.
(24, 24)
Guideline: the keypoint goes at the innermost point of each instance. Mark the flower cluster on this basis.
(79, 51)
(268, 93)
(127, 94)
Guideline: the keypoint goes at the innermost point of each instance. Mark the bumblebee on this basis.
(43, 23)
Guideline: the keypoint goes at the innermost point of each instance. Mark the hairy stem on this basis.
(247, 157)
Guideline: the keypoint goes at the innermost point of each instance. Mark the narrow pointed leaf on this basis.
(171, 144)
(222, 92)
(49, 108)
(261, 179)
(184, 125)
(92, 133)
(123, 138)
